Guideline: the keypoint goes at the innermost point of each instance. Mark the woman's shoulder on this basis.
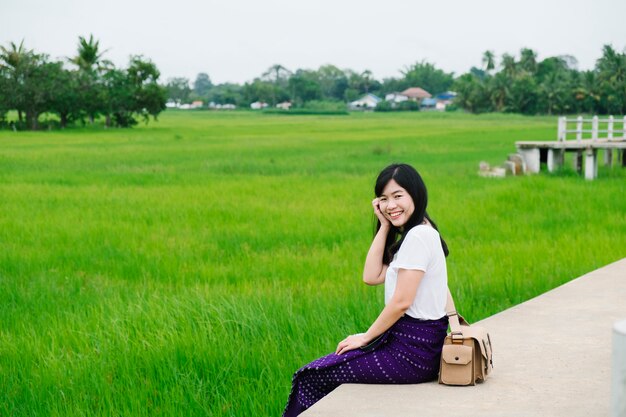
(424, 230)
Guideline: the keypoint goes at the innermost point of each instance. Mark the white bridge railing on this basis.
(589, 128)
(582, 136)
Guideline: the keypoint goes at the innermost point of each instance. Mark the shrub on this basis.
(325, 105)
(384, 106)
(408, 105)
(304, 111)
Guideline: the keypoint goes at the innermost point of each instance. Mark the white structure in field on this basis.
(367, 102)
(218, 106)
(396, 97)
(258, 105)
(589, 138)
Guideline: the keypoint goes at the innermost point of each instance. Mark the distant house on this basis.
(396, 98)
(367, 102)
(186, 106)
(445, 99)
(257, 105)
(218, 106)
(448, 95)
(439, 102)
(428, 103)
(416, 94)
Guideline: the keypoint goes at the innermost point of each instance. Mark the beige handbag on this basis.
(467, 352)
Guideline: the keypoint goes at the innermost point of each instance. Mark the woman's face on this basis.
(396, 204)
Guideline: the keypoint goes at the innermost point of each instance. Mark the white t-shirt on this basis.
(421, 250)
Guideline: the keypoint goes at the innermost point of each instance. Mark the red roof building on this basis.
(416, 93)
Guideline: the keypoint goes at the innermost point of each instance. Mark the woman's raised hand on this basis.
(381, 217)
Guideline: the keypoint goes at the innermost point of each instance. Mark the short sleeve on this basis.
(414, 253)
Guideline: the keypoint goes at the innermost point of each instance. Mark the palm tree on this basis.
(15, 61)
(89, 54)
(277, 74)
(509, 66)
(611, 80)
(90, 66)
(498, 91)
(552, 90)
(528, 60)
(591, 96)
(489, 61)
(329, 76)
(13, 56)
(367, 80)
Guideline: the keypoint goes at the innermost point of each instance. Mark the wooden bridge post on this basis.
(555, 159)
(608, 153)
(591, 165)
(531, 159)
(578, 161)
(623, 152)
(578, 157)
(608, 157)
(562, 127)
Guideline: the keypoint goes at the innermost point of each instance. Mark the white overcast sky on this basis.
(237, 40)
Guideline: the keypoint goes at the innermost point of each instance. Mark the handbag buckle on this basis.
(457, 337)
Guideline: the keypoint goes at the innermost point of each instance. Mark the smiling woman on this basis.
(404, 343)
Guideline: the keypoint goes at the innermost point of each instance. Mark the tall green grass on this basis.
(190, 266)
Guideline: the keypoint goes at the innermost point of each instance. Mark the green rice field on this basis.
(189, 266)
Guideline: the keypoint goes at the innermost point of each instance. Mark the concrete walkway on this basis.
(552, 357)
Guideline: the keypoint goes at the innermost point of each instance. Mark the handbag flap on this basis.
(456, 354)
(481, 336)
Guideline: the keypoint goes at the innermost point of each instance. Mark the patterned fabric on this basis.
(407, 353)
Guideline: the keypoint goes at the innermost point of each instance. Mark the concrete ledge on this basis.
(552, 357)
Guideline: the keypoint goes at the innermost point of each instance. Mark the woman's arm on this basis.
(403, 296)
(374, 270)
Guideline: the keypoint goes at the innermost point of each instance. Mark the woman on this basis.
(403, 345)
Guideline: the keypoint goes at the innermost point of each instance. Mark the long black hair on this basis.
(408, 178)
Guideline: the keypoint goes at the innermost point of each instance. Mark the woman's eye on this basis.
(398, 196)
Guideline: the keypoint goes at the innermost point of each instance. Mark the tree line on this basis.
(32, 84)
(304, 86)
(549, 86)
(520, 85)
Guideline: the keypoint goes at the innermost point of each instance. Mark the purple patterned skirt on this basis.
(407, 353)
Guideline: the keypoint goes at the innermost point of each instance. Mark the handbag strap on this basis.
(453, 318)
